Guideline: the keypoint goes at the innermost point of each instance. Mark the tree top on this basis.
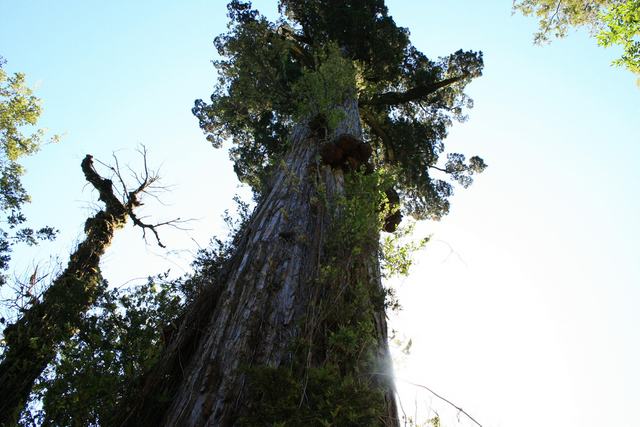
(406, 100)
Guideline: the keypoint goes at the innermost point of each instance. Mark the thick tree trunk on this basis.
(250, 317)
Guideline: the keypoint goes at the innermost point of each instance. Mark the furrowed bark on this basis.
(249, 317)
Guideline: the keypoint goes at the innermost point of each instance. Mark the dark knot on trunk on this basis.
(347, 153)
(394, 216)
(318, 126)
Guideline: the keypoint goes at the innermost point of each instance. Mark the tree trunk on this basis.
(272, 293)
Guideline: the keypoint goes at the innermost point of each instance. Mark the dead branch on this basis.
(131, 198)
(445, 400)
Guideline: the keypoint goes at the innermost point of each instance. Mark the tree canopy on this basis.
(18, 108)
(406, 100)
(612, 22)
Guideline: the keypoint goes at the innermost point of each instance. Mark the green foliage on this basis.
(118, 340)
(252, 102)
(613, 22)
(623, 28)
(320, 53)
(18, 108)
(301, 396)
(557, 16)
(462, 172)
(416, 129)
(396, 258)
(330, 85)
(363, 29)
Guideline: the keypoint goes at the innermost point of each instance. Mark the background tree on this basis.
(291, 330)
(18, 108)
(613, 22)
(31, 342)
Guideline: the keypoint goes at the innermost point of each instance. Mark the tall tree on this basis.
(612, 22)
(336, 119)
(31, 342)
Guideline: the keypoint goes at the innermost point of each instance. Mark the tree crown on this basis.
(273, 72)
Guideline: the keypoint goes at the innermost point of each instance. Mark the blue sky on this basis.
(531, 320)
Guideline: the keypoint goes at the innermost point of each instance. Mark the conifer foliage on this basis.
(407, 101)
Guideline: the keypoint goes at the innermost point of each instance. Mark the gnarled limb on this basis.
(31, 342)
(377, 129)
(396, 98)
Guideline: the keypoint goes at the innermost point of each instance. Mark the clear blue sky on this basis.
(534, 317)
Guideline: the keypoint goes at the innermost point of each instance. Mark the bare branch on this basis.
(435, 394)
(445, 400)
(153, 227)
(131, 198)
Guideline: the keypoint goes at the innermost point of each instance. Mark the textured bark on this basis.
(250, 317)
